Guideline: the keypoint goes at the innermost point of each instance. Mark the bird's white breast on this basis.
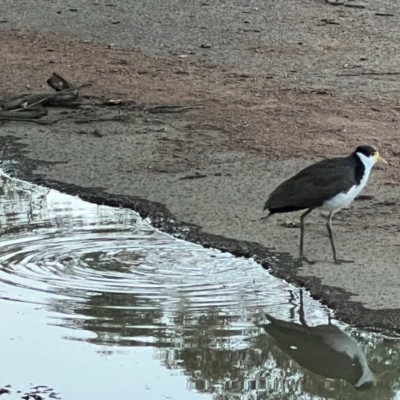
(344, 199)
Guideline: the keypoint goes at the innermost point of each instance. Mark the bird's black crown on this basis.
(366, 150)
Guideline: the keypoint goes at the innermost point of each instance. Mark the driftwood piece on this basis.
(45, 99)
(31, 107)
(58, 83)
(29, 114)
(18, 101)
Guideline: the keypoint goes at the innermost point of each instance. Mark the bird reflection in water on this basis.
(323, 349)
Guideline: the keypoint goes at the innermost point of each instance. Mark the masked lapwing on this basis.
(328, 185)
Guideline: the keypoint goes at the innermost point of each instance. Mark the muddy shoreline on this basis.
(270, 102)
(15, 163)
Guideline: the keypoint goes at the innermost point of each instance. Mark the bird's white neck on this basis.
(368, 162)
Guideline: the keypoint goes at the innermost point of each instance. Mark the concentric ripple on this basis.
(149, 265)
(105, 270)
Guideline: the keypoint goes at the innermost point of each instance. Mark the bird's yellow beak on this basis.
(379, 158)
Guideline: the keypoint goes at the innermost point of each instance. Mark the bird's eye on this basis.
(373, 154)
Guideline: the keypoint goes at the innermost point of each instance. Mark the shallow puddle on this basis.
(96, 304)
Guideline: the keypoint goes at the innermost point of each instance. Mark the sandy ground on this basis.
(282, 84)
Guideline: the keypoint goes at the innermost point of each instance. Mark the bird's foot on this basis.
(302, 258)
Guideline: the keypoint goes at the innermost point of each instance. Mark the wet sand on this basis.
(268, 106)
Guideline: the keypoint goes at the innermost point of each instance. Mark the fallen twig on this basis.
(384, 203)
(382, 14)
(197, 176)
(335, 3)
(354, 5)
(87, 121)
(170, 109)
(329, 21)
(370, 73)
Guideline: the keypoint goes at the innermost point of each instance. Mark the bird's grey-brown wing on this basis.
(313, 185)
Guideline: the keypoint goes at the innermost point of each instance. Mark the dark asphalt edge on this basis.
(17, 165)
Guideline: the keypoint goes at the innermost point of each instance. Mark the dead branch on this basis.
(45, 99)
(30, 107)
(23, 99)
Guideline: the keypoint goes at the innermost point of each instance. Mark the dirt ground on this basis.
(271, 87)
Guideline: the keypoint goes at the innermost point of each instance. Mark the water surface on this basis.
(96, 304)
